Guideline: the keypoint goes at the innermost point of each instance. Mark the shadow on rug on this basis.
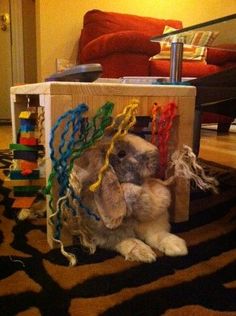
(36, 280)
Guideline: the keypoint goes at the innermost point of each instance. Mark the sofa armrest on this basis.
(120, 42)
(217, 56)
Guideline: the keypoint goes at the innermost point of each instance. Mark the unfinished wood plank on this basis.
(59, 97)
(37, 182)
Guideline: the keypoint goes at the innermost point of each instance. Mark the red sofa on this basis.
(121, 44)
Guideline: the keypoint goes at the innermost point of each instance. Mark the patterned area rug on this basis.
(36, 280)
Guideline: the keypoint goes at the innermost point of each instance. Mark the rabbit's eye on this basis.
(121, 154)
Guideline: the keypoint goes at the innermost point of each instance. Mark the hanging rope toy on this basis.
(156, 110)
(185, 165)
(163, 126)
(82, 137)
(125, 121)
(59, 159)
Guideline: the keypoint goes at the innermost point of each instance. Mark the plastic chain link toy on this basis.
(25, 176)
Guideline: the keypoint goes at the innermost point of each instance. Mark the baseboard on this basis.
(213, 127)
(5, 121)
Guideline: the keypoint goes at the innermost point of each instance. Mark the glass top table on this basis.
(224, 28)
(218, 33)
(216, 92)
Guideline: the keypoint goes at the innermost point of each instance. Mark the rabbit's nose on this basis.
(121, 154)
(114, 160)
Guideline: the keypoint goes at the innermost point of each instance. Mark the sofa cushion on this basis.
(218, 56)
(190, 52)
(209, 117)
(119, 65)
(120, 42)
(189, 69)
(97, 23)
(197, 38)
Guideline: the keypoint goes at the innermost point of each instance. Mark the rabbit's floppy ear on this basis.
(109, 198)
(86, 167)
(110, 201)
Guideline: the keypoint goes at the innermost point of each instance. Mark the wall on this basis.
(29, 34)
(5, 66)
(59, 21)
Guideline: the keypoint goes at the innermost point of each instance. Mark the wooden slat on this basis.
(59, 97)
(20, 183)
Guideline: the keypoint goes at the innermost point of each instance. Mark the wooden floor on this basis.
(220, 149)
(5, 136)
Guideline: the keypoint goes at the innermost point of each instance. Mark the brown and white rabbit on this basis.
(131, 203)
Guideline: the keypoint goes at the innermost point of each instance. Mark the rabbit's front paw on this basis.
(136, 250)
(173, 245)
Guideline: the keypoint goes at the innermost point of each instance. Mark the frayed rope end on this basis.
(184, 163)
(24, 214)
(69, 256)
